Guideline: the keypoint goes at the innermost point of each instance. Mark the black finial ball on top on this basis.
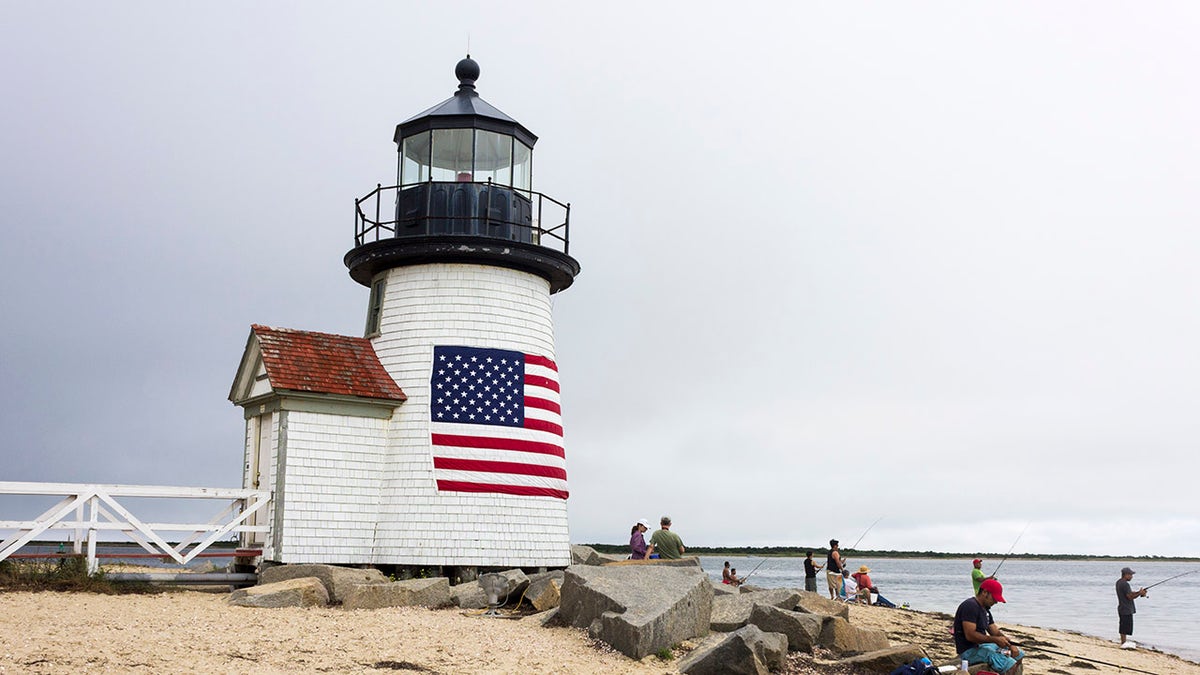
(467, 71)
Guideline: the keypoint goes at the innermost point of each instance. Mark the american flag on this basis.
(495, 423)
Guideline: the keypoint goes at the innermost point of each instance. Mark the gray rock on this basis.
(747, 651)
(814, 603)
(723, 589)
(549, 597)
(803, 631)
(303, 592)
(838, 635)
(885, 660)
(731, 612)
(539, 592)
(338, 580)
(433, 593)
(471, 596)
(544, 619)
(584, 555)
(637, 609)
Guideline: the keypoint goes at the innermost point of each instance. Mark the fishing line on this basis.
(1084, 658)
(754, 570)
(1170, 578)
(1011, 548)
(865, 533)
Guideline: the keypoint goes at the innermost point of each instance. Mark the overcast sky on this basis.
(935, 262)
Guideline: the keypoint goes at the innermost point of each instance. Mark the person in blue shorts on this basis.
(976, 637)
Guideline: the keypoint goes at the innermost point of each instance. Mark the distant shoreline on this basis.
(799, 552)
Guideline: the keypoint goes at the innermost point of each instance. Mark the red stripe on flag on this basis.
(539, 381)
(523, 490)
(498, 444)
(541, 361)
(455, 464)
(543, 425)
(543, 404)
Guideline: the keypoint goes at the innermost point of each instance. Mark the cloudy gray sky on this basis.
(934, 262)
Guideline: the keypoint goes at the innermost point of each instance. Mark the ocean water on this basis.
(1069, 595)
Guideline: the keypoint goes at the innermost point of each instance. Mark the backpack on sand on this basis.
(920, 666)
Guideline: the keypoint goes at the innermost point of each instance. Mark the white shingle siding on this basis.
(357, 490)
(464, 305)
(332, 482)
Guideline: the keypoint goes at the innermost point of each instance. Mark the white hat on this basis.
(644, 522)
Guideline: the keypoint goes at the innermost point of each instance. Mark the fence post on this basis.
(93, 518)
(78, 543)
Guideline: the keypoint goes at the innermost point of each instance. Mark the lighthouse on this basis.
(435, 438)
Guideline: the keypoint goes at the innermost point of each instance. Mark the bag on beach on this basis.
(918, 667)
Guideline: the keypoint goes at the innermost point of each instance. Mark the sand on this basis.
(197, 631)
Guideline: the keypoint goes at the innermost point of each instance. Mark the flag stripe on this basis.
(523, 490)
(499, 443)
(453, 464)
(492, 455)
(542, 404)
(540, 361)
(539, 381)
(543, 425)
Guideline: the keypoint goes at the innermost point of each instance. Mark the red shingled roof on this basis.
(300, 360)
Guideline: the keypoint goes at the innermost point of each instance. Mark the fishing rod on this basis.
(1011, 549)
(754, 570)
(1084, 658)
(865, 533)
(1170, 578)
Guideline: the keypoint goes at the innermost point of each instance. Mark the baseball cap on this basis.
(644, 522)
(1126, 570)
(833, 542)
(994, 588)
(976, 561)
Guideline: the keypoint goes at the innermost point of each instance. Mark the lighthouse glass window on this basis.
(414, 165)
(493, 157)
(451, 156)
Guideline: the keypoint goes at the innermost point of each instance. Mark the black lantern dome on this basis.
(463, 193)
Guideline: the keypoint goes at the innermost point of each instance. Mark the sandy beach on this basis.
(197, 631)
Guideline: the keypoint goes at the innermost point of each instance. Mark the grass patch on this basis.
(68, 573)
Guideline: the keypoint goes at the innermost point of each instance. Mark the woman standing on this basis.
(637, 543)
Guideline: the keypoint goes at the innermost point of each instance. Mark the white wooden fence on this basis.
(96, 509)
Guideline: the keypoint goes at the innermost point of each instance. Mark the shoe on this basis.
(1129, 645)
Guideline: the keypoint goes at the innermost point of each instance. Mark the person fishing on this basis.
(1125, 609)
(833, 570)
(810, 572)
(977, 575)
(977, 639)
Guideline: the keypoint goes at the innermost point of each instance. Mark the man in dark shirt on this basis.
(833, 569)
(810, 573)
(976, 637)
(1125, 608)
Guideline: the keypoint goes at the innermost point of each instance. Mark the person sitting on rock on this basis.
(733, 577)
(725, 574)
(637, 543)
(668, 544)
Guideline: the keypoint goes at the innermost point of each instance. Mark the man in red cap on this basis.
(976, 637)
(977, 576)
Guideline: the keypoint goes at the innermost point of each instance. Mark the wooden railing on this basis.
(96, 509)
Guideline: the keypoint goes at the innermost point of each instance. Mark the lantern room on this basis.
(464, 169)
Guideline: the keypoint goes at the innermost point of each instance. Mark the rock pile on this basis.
(636, 607)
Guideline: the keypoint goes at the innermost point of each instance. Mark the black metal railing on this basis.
(462, 208)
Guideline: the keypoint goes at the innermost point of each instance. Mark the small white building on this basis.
(436, 439)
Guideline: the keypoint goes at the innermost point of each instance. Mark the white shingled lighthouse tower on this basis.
(435, 439)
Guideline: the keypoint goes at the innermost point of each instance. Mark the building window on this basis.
(375, 307)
